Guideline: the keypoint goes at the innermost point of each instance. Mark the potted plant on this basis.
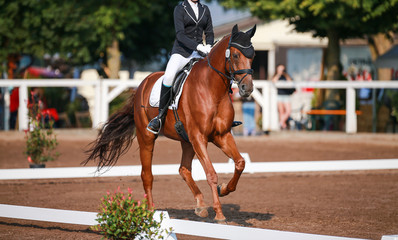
(40, 138)
(122, 217)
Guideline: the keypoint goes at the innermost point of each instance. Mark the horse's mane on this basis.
(219, 41)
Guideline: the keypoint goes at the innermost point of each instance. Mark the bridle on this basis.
(231, 70)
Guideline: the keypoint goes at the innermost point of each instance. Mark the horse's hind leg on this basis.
(228, 146)
(146, 144)
(185, 171)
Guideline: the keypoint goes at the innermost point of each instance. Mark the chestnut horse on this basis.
(206, 111)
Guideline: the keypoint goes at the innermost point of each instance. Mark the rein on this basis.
(231, 70)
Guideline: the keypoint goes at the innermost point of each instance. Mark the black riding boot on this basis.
(155, 124)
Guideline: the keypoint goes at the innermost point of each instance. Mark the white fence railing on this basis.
(23, 95)
(267, 98)
(265, 94)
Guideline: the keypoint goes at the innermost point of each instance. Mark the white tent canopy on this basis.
(280, 33)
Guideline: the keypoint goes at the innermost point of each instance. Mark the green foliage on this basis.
(335, 19)
(56, 97)
(392, 94)
(40, 138)
(122, 217)
(117, 103)
(39, 27)
(354, 18)
(153, 35)
(83, 29)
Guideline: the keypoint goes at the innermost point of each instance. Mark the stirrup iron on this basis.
(160, 126)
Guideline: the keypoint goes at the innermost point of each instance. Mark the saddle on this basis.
(181, 77)
(178, 82)
(176, 90)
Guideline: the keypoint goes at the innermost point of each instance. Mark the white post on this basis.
(92, 94)
(269, 107)
(23, 107)
(271, 62)
(97, 105)
(104, 102)
(351, 117)
(6, 109)
(266, 108)
(274, 114)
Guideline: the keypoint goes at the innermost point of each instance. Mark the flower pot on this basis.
(37, 165)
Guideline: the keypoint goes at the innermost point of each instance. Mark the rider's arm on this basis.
(275, 78)
(287, 76)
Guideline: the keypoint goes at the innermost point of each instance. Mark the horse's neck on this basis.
(217, 81)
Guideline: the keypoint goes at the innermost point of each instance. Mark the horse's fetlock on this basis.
(217, 207)
(231, 189)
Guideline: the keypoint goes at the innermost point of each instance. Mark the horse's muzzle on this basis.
(245, 89)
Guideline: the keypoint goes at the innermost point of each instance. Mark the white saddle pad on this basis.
(155, 94)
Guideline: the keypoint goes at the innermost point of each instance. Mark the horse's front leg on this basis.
(227, 144)
(186, 173)
(199, 144)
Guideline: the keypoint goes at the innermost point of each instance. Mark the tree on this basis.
(39, 27)
(111, 19)
(84, 29)
(334, 19)
(154, 32)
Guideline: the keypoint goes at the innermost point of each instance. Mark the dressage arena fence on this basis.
(185, 227)
(264, 93)
(179, 226)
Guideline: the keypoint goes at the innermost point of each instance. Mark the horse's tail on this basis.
(115, 137)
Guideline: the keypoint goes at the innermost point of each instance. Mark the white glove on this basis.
(201, 48)
(208, 48)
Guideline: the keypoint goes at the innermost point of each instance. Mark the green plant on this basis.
(119, 102)
(393, 95)
(122, 217)
(40, 138)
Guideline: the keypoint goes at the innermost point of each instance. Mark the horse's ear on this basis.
(235, 29)
(252, 31)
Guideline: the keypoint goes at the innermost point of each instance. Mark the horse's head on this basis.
(240, 55)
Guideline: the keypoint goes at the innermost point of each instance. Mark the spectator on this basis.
(248, 109)
(14, 105)
(1, 108)
(284, 105)
(365, 94)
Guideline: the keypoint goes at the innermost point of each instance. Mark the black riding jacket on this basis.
(189, 29)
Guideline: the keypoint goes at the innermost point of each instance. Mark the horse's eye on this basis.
(235, 55)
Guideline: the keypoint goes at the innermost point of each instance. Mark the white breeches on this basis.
(175, 64)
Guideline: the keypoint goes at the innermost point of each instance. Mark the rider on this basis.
(192, 19)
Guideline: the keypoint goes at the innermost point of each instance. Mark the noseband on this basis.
(231, 70)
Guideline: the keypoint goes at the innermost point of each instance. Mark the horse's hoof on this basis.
(219, 189)
(221, 221)
(201, 212)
